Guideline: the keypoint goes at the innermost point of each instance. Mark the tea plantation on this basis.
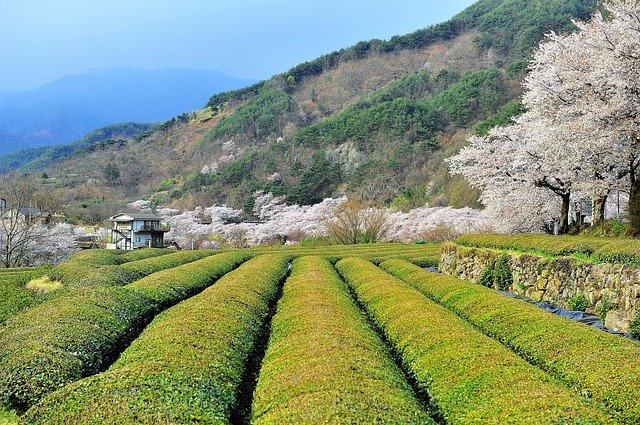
(288, 335)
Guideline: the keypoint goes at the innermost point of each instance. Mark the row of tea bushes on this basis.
(469, 377)
(602, 366)
(14, 296)
(78, 275)
(144, 267)
(606, 250)
(324, 364)
(79, 332)
(424, 255)
(186, 366)
(144, 253)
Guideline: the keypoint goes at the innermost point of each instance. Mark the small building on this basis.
(135, 230)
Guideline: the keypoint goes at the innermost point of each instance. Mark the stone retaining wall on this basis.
(556, 280)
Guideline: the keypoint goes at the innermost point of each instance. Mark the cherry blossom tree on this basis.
(586, 85)
(581, 129)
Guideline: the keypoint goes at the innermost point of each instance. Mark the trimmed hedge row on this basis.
(87, 275)
(14, 297)
(83, 263)
(469, 377)
(141, 254)
(188, 363)
(600, 249)
(324, 364)
(599, 365)
(79, 332)
(423, 255)
(139, 269)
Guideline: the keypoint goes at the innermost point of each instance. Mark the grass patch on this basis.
(43, 285)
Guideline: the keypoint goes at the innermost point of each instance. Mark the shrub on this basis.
(604, 366)
(502, 277)
(356, 221)
(186, 366)
(497, 274)
(14, 296)
(469, 377)
(626, 251)
(170, 286)
(86, 328)
(634, 326)
(141, 254)
(353, 381)
(577, 302)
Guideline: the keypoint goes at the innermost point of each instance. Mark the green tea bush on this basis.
(626, 251)
(79, 332)
(170, 286)
(64, 339)
(469, 377)
(14, 297)
(427, 255)
(128, 272)
(324, 364)
(141, 254)
(605, 367)
(186, 366)
(147, 266)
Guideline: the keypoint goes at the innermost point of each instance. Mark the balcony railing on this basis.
(154, 227)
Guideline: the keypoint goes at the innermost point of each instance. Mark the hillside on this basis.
(377, 118)
(67, 108)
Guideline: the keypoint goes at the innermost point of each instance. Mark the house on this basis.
(134, 230)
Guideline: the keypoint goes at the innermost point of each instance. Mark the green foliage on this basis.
(502, 118)
(486, 278)
(14, 297)
(497, 274)
(634, 326)
(577, 302)
(502, 277)
(90, 270)
(317, 181)
(355, 381)
(468, 375)
(604, 306)
(476, 95)
(187, 366)
(515, 27)
(87, 327)
(607, 250)
(262, 116)
(173, 285)
(84, 331)
(610, 373)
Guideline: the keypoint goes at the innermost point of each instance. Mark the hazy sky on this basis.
(41, 40)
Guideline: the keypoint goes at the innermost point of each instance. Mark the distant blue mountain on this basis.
(67, 108)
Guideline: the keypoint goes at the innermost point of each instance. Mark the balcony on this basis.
(153, 227)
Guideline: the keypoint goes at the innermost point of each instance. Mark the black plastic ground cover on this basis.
(588, 319)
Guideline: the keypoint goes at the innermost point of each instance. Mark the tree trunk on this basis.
(599, 205)
(634, 209)
(564, 214)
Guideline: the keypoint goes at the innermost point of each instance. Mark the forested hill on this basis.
(377, 118)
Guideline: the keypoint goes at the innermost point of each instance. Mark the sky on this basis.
(42, 40)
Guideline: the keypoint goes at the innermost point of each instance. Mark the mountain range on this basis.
(69, 107)
(376, 119)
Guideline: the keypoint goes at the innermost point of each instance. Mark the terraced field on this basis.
(358, 334)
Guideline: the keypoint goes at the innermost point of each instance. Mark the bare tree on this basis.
(355, 221)
(19, 223)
